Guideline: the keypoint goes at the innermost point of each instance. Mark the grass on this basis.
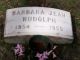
(70, 5)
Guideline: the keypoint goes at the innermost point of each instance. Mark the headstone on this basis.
(22, 23)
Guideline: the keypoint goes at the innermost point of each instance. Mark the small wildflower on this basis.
(19, 50)
(45, 54)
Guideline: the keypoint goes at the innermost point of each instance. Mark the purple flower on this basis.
(42, 56)
(45, 54)
(19, 50)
